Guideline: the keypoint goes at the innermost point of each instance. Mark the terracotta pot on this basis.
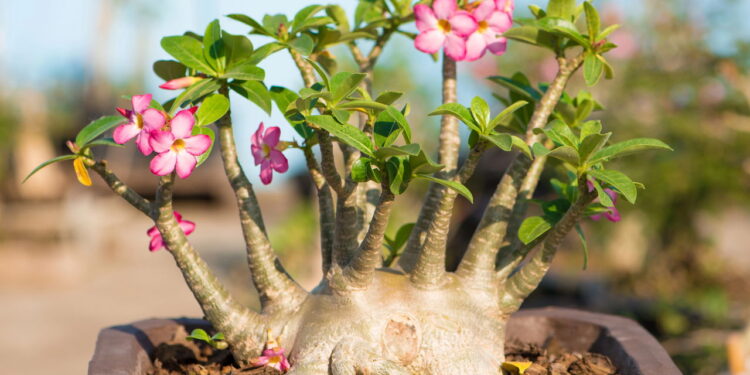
(125, 349)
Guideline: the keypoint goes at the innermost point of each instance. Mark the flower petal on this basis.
(259, 361)
(500, 22)
(612, 194)
(257, 138)
(463, 24)
(266, 172)
(271, 137)
(278, 161)
(153, 231)
(476, 45)
(153, 119)
(197, 144)
(613, 215)
(124, 133)
(185, 164)
(140, 102)
(257, 154)
(187, 227)
(498, 46)
(444, 9)
(506, 6)
(430, 41)
(483, 11)
(178, 216)
(124, 112)
(182, 124)
(144, 143)
(455, 47)
(156, 243)
(161, 141)
(164, 163)
(425, 18)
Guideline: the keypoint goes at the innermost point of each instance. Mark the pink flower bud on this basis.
(180, 83)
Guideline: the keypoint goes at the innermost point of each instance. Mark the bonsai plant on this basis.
(384, 305)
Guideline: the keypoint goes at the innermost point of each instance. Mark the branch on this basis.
(479, 261)
(325, 206)
(526, 280)
(276, 288)
(358, 273)
(347, 214)
(242, 328)
(450, 143)
(119, 187)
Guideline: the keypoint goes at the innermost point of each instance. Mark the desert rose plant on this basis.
(386, 305)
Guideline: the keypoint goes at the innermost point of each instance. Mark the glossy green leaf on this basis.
(199, 334)
(360, 170)
(480, 112)
(593, 23)
(254, 91)
(322, 73)
(602, 195)
(566, 154)
(532, 228)
(187, 51)
(502, 141)
(386, 130)
(303, 44)
(582, 237)
(264, 51)
(506, 116)
(522, 146)
(237, 48)
(561, 8)
(400, 119)
(210, 133)
(422, 164)
(169, 69)
(406, 150)
(344, 132)
(213, 47)
(590, 127)
(605, 33)
(341, 116)
(48, 162)
(560, 133)
(529, 93)
(619, 181)
(388, 97)
(109, 142)
(245, 72)
(274, 22)
(345, 83)
(96, 128)
(627, 148)
(211, 109)
(257, 27)
(592, 69)
(338, 14)
(362, 105)
(303, 15)
(459, 112)
(537, 11)
(396, 175)
(195, 92)
(532, 35)
(453, 185)
(591, 144)
(402, 235)
(540, 150)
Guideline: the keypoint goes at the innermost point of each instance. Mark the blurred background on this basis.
(75, 259)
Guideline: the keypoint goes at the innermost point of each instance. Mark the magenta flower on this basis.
(177, 148)
(492, 23)
(443, 25)
(157, 242)
(612, 214)
(272, 356)
(143, 121)
(180, 83)
(267, 153)
(506, 6)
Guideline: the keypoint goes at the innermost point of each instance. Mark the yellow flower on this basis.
(515, 368)
(81, 172)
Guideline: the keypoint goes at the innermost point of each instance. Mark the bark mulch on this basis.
(553, 360)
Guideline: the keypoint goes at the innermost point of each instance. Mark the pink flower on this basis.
(267, 153)
(443, 25)
(143, 121)
(177, 149)
(180, 83)
(613, 214)
(272, 356)
(157, 242)
(492, 22)
(506, 6)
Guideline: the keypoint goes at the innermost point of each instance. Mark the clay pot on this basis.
(125, 349)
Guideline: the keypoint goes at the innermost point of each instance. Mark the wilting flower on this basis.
(180, 83)
(272, 356)
(492, 22)
(443, 25)
(177, 148)
(612, 214)
(143, 121)
(157, 242)
(267, 152)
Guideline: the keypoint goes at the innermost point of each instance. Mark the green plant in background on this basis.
(454, 321)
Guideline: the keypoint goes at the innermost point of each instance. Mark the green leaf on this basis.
(254, 91)
(396, 175)
(360, 169)
(529, 93)
(537, 11)
(532, 35)
(212, 109)
(502, 141)
(592, 69)
(561, 8)
(338, 14)
(218, 336)
(532, 228)
(96, 128)
(362, 105)
(341, 116)
(199, 334)
(480, 112)
(422, 164)
(195, 92)
(245, 72)
(592, 20)
(388, 97)
(453, 185)
(582, 237)
(609, 71)
(169, 69)
(459, 112)
(210, 133)
(406, 150)
(628, 147)
(238, 48)
(345, 83)
(314, 22)
(48, 162)
(604, 198)
(386, 130)
(257, 27)
(322, 73)
(213, 47)
(506, 116)
(304, 15)
(273, 23)
(102, 142)
(400, 119)
(521, 145)
(402, 236)
(591, 144)
(561, 134)
(605, 33)
(540, 150)
(303, 44)
(566, 154)
(583, 110)
(619, 181)
(187, 51)
(264, 51)
(344, 132)
(590, 127)
(564, 28)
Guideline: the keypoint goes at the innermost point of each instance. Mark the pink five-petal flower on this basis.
(506, 6)
(613, 214)
(157, 242)
(492, 22)
(180, 83)
(142, 122)
(443, 25)
(266, 152)
(272, 355)
(177, 148)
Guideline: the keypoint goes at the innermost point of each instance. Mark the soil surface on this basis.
(186, 357)
(552, 359)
